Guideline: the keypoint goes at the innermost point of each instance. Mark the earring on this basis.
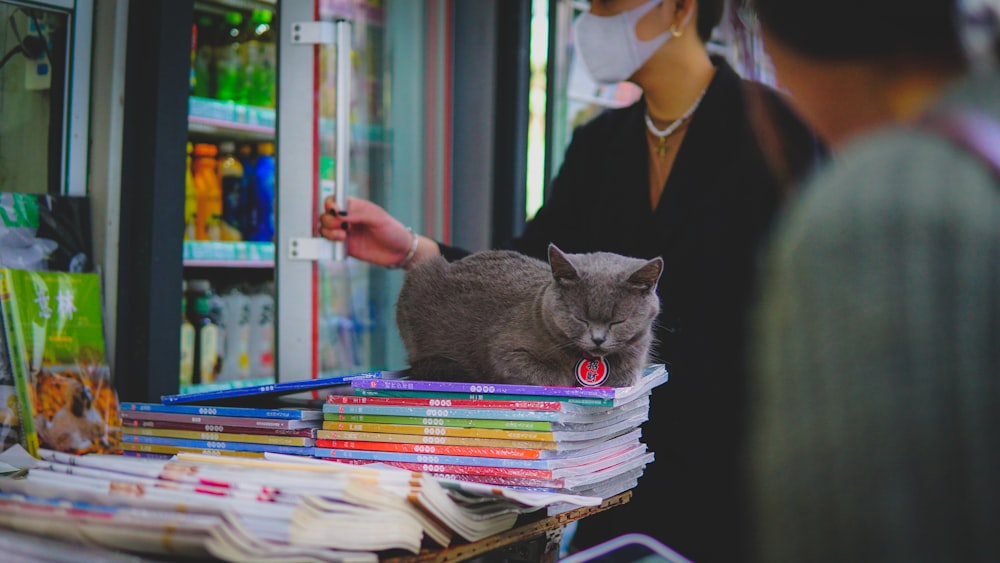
(676, 30)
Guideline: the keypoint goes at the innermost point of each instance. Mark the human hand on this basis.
(370, 232)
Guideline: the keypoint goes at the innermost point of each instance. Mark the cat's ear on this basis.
(562, 268)
(647, 276)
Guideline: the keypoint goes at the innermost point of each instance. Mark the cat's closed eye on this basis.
(582, 321)
(613, 323)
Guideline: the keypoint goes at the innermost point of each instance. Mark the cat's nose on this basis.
(598, 337)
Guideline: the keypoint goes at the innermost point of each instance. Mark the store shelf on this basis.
(226, 118)
(222, 6)
(222, 254)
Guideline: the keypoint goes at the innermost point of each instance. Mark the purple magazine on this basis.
(653, 376)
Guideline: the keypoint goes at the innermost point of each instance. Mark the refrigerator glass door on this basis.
(334, 313)
(356, 90)
(353, 156)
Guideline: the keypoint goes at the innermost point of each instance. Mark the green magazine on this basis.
(55, 341)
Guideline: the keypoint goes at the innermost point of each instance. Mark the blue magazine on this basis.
(268, 391)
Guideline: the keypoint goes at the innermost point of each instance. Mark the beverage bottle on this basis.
(260, 49)
(236, 319)
(261, 348)
(263, 199)
(190, 198)
(230, 84)
(187, 346)
(231, 176)
(206, 341)
(204, 56)
(248, 188)
(208, 192)
(194, 51)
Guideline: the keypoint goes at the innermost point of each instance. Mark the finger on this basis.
(330, 205)
(334, 234)
(328, 221)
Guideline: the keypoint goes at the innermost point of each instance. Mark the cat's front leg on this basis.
(624, 371)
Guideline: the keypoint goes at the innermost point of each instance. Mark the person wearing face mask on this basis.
(680, 174)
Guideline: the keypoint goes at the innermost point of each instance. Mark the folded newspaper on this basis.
(281, 507)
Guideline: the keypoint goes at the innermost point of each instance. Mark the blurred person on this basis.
(679, 174)
(875, 402)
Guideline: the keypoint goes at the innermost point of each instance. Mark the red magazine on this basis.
(220, 428)
(436, 468)
(453, 403)
(476, 451)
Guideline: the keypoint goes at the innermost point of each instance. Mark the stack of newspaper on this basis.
(282, 507)
(571, 440)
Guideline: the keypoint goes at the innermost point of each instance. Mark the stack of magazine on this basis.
(280, 508)
(210, 422)
(160, 431)
(571, 440)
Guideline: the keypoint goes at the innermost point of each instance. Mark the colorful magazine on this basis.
(268, 391)
(43, 233)
(440, 431)
(156, 451)
(509, 475)
(561, 467)
(350, 435)
(559, 437)
(133, 416)
(524, 452)
(247, 412)
(555, 406)
(578, 423)
(446, 396)
(220, 436)
(560, 446)
(535, 425)
(653, 376)
(55, 342)
(585, 415)
(223, 428)
(217, 445)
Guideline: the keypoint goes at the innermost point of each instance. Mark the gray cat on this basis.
(502, 317)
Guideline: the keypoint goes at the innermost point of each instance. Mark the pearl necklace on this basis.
(662, 134)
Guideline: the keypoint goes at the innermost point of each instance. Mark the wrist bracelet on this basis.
(414, 239)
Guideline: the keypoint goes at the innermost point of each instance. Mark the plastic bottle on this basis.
(248, 190)
(260, 49)
(263, 199)
(208, 192)
(230, 84)
(206, 30)
(236, 319)
(187, 346)
(206, 341)
(194, 51)
(231, 177)
(190, 198)
(261, 347)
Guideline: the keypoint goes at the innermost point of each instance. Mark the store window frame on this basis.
(73, 154)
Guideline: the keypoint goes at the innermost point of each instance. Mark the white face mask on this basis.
(609, 46)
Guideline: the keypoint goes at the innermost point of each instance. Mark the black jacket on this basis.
(717, 206)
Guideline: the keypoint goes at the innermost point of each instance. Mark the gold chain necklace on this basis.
(662, 134)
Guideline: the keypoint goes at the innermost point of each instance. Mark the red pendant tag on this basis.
(591, 372)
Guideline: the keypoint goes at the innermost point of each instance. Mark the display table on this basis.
(532, 540)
